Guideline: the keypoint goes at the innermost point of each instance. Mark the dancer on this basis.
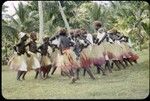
(103, 47)
(67, 59)
(19, 61)
(45, 58)
(33, 61)
(89, 51)
(83, 51)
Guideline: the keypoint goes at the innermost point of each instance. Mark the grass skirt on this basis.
(68, 60)
(128, 52)
(54, 57)
(32, 61)
(18, 62)
(45, 61)
(97, 54)
(85, 57)
(108, 50)
(117, 51)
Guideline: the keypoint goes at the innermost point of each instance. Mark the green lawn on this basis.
(130, 83)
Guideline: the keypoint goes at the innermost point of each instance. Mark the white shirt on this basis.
(100, 35)
(72, 41)
(81, 41)
(56, 42)
(89, 38)
(110, 40)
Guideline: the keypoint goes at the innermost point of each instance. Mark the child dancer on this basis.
(54, 42)
(33, 61)
(45, 60)
(19, 61)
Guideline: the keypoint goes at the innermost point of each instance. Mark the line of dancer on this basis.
(72, 51)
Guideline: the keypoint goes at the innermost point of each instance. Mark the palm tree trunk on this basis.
(139, 13)
(41, 22)
(63, 16)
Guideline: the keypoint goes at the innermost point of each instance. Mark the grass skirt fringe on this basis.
(18, 62)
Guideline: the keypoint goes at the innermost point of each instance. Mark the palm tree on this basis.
(26, 21)
(63, 16)
(41, 22)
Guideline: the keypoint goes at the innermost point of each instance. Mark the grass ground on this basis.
(130, 83)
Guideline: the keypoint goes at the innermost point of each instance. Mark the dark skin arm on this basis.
(27, 54)
(38, 51)
(61, 51)
(60, 47)
(95, 39)
(120, 37)
(54, 47)
(26, 50)
(52, 38)
(15, 48)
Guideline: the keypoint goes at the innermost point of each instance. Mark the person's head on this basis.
(63, 32)
(72, 33)
(118, 34)
(114, 30)
(97, 25)
(33, 36)
(46, 39)
(77, 33)
(83, 31)
(57, 36)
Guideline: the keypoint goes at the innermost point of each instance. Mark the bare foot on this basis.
(48, 76)
(78, 78)
(104, 74)
(23, 78)
(73, 80)
(19, 79)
